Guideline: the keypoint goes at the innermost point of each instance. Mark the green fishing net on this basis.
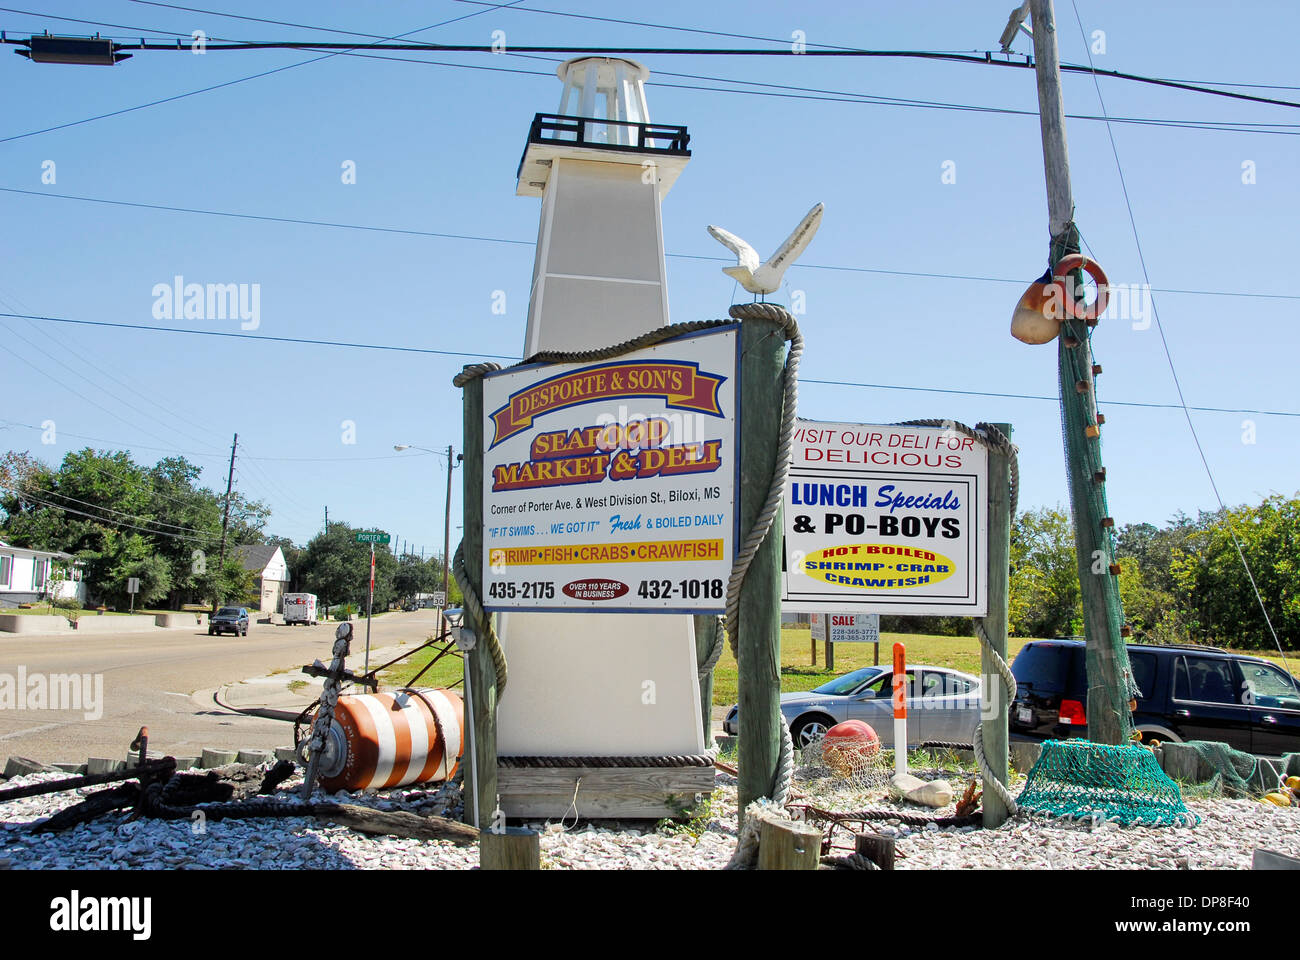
(1082, 780)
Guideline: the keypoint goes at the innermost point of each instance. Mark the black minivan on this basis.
(1185, 693)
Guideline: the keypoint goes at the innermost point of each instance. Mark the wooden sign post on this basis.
(481, 775)
(762, 385)
(993, 699)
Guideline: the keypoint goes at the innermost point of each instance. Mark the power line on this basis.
(929, 275)
(385, 456)
(1276, 129)
(134, 516)
(986, 58)
(1169, 359)
(676, 28)
(103, 389)
(972, 56)
(218, 86)
(115, 523)
(117, 443)
(73, 390)
(1056, 399)
(280, 23)
(496, 356)
(249, 336)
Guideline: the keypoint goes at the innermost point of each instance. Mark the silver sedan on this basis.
(942, 704)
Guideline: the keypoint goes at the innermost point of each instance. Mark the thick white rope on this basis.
(993, 438)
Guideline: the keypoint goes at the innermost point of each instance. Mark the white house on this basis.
(27, 576)
(270, 574)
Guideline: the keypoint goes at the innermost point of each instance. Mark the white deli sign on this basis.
(886, 519)
(846, 627)
(610, 486)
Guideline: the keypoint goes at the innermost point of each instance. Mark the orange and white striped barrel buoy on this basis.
(381, 740)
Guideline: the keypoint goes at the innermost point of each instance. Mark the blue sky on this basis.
(435, 149)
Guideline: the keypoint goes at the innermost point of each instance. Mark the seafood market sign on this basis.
(610, 486)
(886, 519)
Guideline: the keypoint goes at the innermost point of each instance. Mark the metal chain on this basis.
(329, 699)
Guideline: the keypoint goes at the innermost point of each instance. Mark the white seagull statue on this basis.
(766, 278)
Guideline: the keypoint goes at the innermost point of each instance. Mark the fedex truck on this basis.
(300, 608)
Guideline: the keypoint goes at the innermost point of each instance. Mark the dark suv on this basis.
(229, 620)
(1185, 693)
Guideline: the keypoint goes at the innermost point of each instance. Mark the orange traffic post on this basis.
(900, 709)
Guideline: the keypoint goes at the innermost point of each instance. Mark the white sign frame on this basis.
(941, 476)
(617, 543)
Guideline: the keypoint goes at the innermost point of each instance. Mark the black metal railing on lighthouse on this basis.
(602, 134)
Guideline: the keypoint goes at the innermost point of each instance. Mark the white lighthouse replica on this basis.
(607, 685)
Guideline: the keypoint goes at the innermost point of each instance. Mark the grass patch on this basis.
(700, 815)
(798, 672)
(296, 685)
(444, 673)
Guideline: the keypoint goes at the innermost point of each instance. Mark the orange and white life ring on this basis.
(1076, 308)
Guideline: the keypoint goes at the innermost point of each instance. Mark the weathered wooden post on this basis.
(480, 671)
(511, 849)
(758, 632)
(784, 845)
(1109, 673)
(993, 698)
(875, 847)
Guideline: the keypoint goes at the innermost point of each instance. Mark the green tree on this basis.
(1044, 597)
(337, 569)
(122, 520)
(1211, 580)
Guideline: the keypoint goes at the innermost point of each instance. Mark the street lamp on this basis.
(446, 523)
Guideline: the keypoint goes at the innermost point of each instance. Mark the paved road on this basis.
(164, 680)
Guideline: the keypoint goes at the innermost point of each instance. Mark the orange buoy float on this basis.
(1076, 308)
(381, 740)
(847, 743)
(1037, 316)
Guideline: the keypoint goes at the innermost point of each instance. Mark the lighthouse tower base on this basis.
(528, 791)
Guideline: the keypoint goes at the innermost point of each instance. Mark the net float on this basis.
(382, 740)
(847, 744)
(1038, 313)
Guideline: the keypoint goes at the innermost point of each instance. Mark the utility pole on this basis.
(225, 525)
(1110, 682)
(327, 519)
(446, 534)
